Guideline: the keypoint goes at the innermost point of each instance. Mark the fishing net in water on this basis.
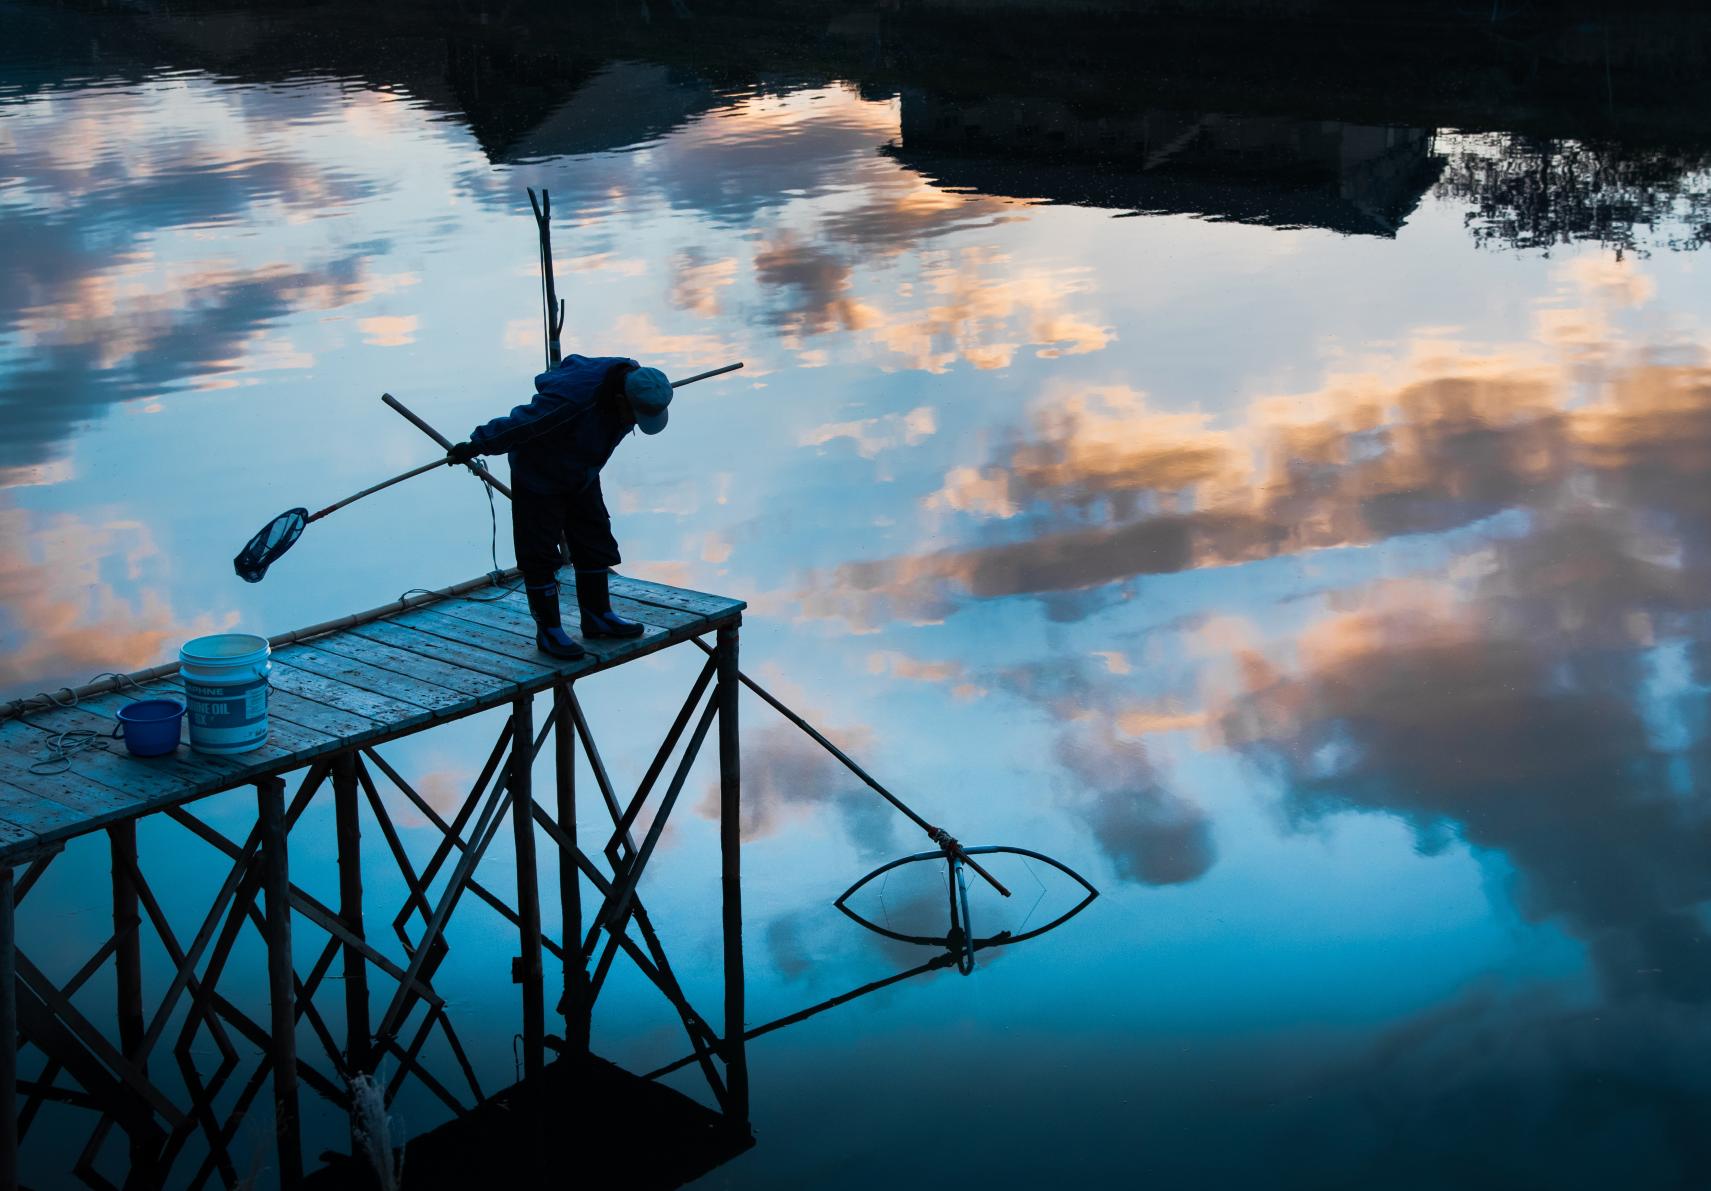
(275, 538)
(906, 899)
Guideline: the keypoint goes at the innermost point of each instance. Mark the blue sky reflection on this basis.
(1335, 602)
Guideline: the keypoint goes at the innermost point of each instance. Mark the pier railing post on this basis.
(282, 1002)
(730, 855)
(528, 967)
(358, 1059)
(8, 1037)
(575, 1007)
(128, 970)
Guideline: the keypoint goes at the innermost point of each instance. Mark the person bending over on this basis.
(557, 444)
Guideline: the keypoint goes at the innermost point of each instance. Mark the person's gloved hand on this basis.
(462, 452)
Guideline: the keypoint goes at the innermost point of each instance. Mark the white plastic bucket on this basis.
(225, 691)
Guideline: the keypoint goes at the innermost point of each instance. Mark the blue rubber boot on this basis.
(594, 598)
(549, 637)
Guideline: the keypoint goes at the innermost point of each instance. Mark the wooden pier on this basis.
(337, 693)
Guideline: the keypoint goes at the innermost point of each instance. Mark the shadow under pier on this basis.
(581, 1117)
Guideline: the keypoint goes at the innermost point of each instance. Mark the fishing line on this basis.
(492, 555)
(1023, 925)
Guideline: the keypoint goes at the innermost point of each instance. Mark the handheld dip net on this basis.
(959, 940)
(279, 535)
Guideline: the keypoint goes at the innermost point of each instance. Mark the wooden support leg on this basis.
(575, 1004)
(358, 1058)
(730, 849)
(527, 970)
(8, 1038)
(128, 969)
(282, 1040)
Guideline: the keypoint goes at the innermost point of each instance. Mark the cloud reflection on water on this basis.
(1100, 488)
(61, 616)
(1533, 696)
(117, 291)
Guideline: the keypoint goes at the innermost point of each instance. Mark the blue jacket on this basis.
(558, 442)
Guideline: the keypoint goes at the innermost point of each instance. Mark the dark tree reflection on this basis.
(1536, 193)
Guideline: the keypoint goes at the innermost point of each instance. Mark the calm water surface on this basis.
(1285, 523)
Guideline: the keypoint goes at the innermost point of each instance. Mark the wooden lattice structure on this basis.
(338, 693)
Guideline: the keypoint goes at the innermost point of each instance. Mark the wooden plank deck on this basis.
(375, 681)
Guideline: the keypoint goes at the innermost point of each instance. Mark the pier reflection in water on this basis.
(1312, 556)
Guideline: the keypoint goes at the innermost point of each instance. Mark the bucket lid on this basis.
(224, 649)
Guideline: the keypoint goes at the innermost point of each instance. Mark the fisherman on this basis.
(557, 444)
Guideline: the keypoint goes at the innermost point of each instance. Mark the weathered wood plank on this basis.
(513, 612)
(286, 743)
(498, 614)
(435, 687)
(295, 724)
(12, 834)
(377, 680)
(285, 739)
(460, 645)
(317, 717)
(609, 650)
(103, 709)
(669, 618)
(144, 779)
(515, 623)
(148, 778)
(385, 711)
(489, 635)
(60, 802)
(673, 597)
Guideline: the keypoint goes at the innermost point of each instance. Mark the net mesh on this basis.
(275, 538)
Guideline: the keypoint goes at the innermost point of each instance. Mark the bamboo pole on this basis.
(576, 1020)
(373, 488)
(474, 465)
(731, 877)
(348, 827)
(282, 1040)
(528, 968)
(552, 312)
(937, 834)
(128, 967)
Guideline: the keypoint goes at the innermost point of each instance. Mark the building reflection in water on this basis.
(1356, 179)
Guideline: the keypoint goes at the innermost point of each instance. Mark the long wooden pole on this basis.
(937, 834)
(373, 488)
(553, 307)
(474, 465)
(528, 968)
(128, 969)
(348, 828)
(576, 1019)
(282, 1040)
(731, 879)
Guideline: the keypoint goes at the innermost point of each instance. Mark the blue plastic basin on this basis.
(151, 726)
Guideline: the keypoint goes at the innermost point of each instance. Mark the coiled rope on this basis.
(65, 744)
